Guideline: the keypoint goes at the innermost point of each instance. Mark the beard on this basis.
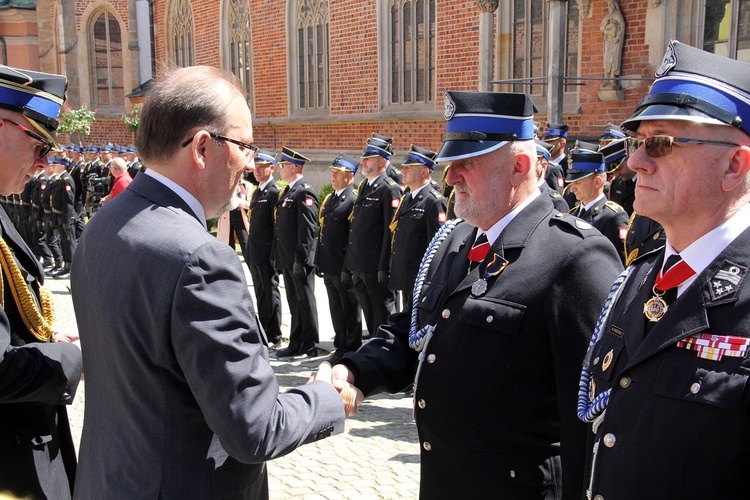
(231, 204)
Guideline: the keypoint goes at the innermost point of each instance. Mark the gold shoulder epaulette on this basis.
(613, 206)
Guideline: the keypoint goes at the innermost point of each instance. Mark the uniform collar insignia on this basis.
(726, 281)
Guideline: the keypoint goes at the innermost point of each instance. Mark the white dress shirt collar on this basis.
(188, 198)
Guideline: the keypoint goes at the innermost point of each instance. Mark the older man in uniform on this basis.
(294, 253)
(495, 335)
(346, 314)
(665, 382)
(368, 255)
(419, 216)
(587, 175)
(38, 376)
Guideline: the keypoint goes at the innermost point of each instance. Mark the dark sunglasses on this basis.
(46, 146)
(248, 149)
(658, 146)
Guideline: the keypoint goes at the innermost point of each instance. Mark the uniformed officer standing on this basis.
(39, 376)
(259, 247)
(77, 166)
(586, 176)
(419, 216)
(493, 342)
(666, 378)
(622, 185)
(346, 314)
(50, 230)
(386, 143)
(62, 198)
(134, 163)
(557, 135)
(94, 169)
(542, 164)
(368, 256)
(37, 220)
(295, 228)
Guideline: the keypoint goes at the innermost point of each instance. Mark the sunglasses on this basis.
(658, 146)
(248, 149)
(46, 145)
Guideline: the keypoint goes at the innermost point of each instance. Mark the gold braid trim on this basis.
(38, 323)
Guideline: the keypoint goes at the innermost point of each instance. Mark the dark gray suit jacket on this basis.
(181, 401)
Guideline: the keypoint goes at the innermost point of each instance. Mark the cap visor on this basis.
(667, 112)
(45, 133)
(460, 150)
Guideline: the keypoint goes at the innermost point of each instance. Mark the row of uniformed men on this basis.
(370, 243)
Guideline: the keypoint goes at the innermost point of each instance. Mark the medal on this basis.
(655, 307)
(479, 287)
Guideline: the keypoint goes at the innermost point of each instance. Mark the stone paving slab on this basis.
(377, 457)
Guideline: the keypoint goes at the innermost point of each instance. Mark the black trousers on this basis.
(300, 294)
(346, 314)
(53, 238)
(68, 240)
(378, 302)
(267, 297)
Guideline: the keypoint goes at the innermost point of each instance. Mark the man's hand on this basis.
(346, 278)
(66, 337)
(383, 278)
(343, 380)
(299, 269)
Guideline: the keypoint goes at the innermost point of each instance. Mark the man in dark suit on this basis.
(346, 314)
(501, 324)
(38, 376)
(368, 255)
(665, 381)
(181, 401)
(419, 216)
(259, 247)
(586, 176)
(296, 224)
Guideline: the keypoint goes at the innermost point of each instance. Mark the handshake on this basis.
(342, 379)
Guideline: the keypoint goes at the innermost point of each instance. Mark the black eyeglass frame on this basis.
(46, 144)
(632, 144)
(243, 145)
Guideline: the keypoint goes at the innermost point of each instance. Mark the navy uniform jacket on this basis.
(296, 225)
(63, 199)
(77, 174)
(37, 380)
(557, 200)
(622, 192)
(369, 247)
(414, 224)
(40, 185)
(555, 177)
(644, 236)
(260, 223)
(611, 220)
(497, 392)
(677, 423)
(334, 230)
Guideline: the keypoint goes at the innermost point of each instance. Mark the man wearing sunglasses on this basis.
(38, 376)
(665, 382)
(183, 402)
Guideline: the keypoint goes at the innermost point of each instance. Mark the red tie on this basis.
(479, 250)
(675, 275)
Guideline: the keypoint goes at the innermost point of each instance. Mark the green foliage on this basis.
(76, 121)
(134, 118)
(324, 191)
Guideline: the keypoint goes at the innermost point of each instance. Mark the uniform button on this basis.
(596, 360)
(37, 440)
(695, 388)
(421, 403)
(625, 382)
(431, 358)
(424, 298)
(65, 397)
(446, 313)
(598, 497)
(489, 318)
(609, 440)
(427, 446)
(512, 474)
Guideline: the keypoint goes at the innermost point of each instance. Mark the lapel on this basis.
(635, 297)
(159, 194)
(689, 313)
(596, 210)
(24, 257)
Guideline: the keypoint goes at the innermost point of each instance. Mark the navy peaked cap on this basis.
(555, 131)
(378, 145)
(697, 86)
(291, 156)
(345, 162)
(584, 164)
(420, 156)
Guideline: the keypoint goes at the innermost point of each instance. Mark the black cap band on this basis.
(689, 101)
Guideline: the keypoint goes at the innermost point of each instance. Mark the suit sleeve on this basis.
(219, 347)
(307, 223)
(37, 372)
(393, 192)
(589, 271)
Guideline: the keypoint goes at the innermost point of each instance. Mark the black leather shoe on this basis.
(287, 352)
(306, 352)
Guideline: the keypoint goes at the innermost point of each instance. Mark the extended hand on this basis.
(343, 380)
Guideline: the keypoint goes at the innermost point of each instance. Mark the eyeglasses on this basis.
(248, 149)
(46, 145)
(658, 146)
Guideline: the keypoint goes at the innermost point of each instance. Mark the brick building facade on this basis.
(355, 60)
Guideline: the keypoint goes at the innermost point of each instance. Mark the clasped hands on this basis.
(342, 379)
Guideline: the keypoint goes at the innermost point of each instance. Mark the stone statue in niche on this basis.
(613, 28)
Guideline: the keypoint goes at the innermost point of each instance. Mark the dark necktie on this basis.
(478, 251)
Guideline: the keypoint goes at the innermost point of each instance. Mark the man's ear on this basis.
(521, 168)
(199, 149)
(737, 170)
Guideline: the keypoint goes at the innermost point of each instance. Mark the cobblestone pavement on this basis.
(377, 457)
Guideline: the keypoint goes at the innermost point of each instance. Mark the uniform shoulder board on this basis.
(555, 194)
(390, 181)
(613, 206)
(306, 185)
(580, 227)
(436, 193)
